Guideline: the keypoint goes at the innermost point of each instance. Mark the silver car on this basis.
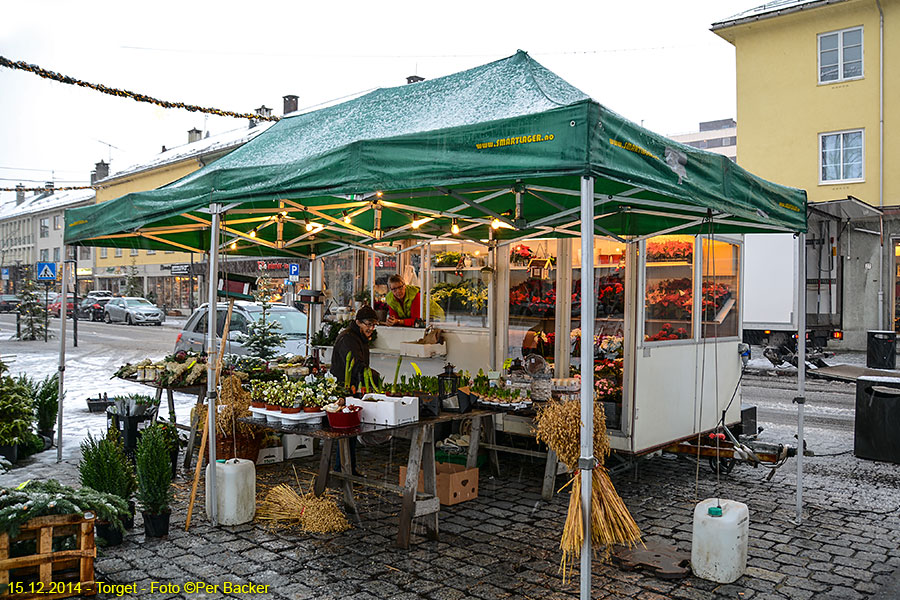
(133, 311)
(293, 327)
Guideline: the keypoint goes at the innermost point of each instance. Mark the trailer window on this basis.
(532, 297)
(669, 292)
(720, 264)
(459, 293)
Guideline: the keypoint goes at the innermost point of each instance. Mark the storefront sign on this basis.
(84, 271)
(181, 269)
(271, 266)
(385, 262)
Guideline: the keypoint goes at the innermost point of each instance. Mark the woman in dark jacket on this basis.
(353, 341)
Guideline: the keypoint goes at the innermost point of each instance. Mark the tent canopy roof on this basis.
(506, 141)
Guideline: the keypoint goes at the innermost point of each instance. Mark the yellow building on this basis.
(166, 276)
(815, 81)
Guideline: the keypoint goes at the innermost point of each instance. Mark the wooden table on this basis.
(421, 456)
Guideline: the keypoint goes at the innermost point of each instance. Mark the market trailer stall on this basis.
(502, 152)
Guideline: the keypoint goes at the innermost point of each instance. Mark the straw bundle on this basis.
(233, 404)
(558, 425)
(284, 507)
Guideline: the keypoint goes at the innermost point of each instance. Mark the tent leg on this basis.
(586, 462)
(213, 279)
(62, 357)
(801, 368)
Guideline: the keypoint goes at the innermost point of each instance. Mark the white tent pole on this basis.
(586, 462)
(801, 367)
(427, 271)
(211, 356)
(62, 356)
(371, 279)
(423, 284)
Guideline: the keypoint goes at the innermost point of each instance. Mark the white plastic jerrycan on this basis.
(719, 542)
(235, 490)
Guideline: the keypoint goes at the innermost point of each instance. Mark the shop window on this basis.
(532, 298)
(609, 322)
(459, 291)
(669, 292)
(338, 278)
(720, 265)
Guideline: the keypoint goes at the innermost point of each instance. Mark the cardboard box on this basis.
(455, 483)
(385, 410)
(268, 456)
(296, 446)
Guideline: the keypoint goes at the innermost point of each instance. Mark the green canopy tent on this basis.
(503, 151)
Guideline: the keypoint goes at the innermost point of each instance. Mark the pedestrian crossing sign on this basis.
(46, 271)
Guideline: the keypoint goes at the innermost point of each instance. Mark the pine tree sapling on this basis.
(16, 412)
(44, 395)
(134, 286)
(154, 471)
(262, 338)
(32, 312)
(104, 466)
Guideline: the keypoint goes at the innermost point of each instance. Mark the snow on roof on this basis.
(771, 9)
(42, 202)
(208, 145)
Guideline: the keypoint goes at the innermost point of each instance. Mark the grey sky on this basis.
(651, 60)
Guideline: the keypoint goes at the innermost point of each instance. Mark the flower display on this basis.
(670, 299)
(467, 295)
(447, 259)
(612, 346)
(520, 254)
(668, 332)
(670, 250)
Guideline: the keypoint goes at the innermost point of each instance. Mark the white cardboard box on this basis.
(268, 456)
(296, 446)
(385, 410)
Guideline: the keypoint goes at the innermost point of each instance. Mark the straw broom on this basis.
(558, 425)
(284, 507)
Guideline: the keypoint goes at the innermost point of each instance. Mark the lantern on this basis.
(448, 382)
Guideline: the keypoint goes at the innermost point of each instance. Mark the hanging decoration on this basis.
(23, 66)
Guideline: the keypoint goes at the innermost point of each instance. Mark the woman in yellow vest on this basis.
(404, 305)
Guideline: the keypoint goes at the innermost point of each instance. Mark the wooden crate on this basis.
(48, 574)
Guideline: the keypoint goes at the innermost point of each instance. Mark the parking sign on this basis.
(294, 272)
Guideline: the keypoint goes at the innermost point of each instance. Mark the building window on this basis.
(57, 221)
(84, 253)
(841, 55)
(104, 252)
(151, 252)
(134, 252)
(56, 254)
(45, 254)
(118, 252)
(45, 227)
(841, 156)
(170, 252)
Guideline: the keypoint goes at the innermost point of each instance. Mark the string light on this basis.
(52, 189)
(234, 245)
(309, 226)
(454, 227)
(379, 194)
(495, 224)
(21, 65)
(346, 216)
(253, 233)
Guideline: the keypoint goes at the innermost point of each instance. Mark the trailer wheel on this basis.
(726, 465)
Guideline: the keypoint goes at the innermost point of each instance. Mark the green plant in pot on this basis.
(16, 415)
(44, 396)
(154, 480)
(105, 468)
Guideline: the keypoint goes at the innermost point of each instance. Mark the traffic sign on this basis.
(294, 272)
(4, 274)
(46, 271)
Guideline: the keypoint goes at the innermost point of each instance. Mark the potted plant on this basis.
(154, 481)
(45, 396)
(173, 442)
(104, 467)
(16, 415)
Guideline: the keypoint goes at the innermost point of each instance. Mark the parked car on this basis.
(55, 306)
(293, 327)
(92, 308)
(99, 294)
(8, 302)
(133, 311)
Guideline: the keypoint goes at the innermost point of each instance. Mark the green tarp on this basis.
(458, 146)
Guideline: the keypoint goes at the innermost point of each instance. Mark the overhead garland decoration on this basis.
(5, 62)
(68, 188)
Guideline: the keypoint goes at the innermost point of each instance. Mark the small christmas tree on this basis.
(32, 312)
(262, 338)
(133, 284)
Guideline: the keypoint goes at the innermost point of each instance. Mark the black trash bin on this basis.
(881, 350)
(877, 419)
(129, 427)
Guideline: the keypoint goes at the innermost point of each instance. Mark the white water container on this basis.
(235, 490)
(719, 542)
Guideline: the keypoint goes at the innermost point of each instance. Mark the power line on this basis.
(43, 180)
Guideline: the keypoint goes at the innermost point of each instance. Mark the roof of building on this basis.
(769, 10)
(43, 202)
(227, 140)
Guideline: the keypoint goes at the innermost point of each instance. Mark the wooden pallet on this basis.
(48, 574)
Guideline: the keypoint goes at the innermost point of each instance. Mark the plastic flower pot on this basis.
(156, 525)
(108, 533)
(346, 418)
